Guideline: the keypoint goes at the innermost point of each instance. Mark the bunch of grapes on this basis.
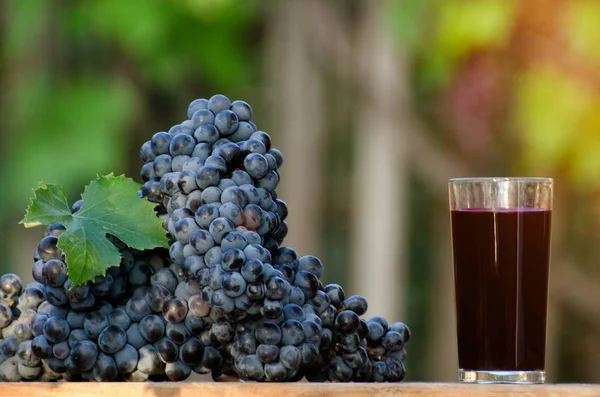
(19, 309)
(226, 299)
(266, 311)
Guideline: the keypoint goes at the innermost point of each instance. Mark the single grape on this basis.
(182, 144)
(218, 102)
(56, 329)
(205, 135)
(84, 354)
(175, 310)
(202, 117)
(149, 362)
(256, 165)
(226, 122)
(126, 359)
(207, 176)
(160, 143)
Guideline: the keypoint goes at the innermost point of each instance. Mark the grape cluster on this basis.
(264, 309)
(227, 299)
(19, 309)
(214, 174)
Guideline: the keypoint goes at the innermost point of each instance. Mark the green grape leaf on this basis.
(111, 206)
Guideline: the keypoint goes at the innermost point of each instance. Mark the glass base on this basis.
(519, 377)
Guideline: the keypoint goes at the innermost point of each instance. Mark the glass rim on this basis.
(501, 179)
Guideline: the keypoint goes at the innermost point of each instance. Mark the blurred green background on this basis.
(374, 104)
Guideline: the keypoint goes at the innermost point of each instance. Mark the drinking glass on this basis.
(501, 259)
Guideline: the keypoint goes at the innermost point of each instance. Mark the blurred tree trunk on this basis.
(378, 266)
(294, 92)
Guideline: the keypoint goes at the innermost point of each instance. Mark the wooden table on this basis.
(210, 389)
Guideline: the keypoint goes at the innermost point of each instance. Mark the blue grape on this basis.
(202, 117)
(219, 227)
(146, 153)
(233, 284)
(207, 176)
(217, 162)
(222, 331)
(6, 315)
(234, 194)
(269, 181)
(152, 329)
(183, 128)
(136, 308)
(337, 296)
(241, 178)
(169, 183)
(233, 212)
(242, 110)
(268, 333)
(218, 102)
(191, 352)
(149, 362)
(160, 143)
(105, 369)
(293, 311)
(162, 165)
(213, 256)
(254, 146)
(267, 353)
(148, 172)
(178, 162)
(234, 239)
(276, 288)
(277, 155)
(292, 332)
(402, 329)
(231, 152)
(187, 182)
(290, 357)
(357, 304)
(232, 260)
(206, 135)
(250, 367)
(243, 132)
(47, 249)
(253, 217)
(226, 122)
(202, 241)
(134, 336)
(56, 329)
(222, 302)
(182, 145)
(167, 350)
(263, 137)
(39, 346)
(256, 165)
(76, 293)
(175, 310)
(177, 371)
(193, 163)
(84, 355)
(196, 105)
(225, 183)
(178, 333)
(126, 359)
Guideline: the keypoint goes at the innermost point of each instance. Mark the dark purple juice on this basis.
(501, 264)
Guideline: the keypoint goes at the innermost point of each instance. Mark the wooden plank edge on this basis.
(209, 389)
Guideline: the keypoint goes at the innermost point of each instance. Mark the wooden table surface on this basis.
(210, 389)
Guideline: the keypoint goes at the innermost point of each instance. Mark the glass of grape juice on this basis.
(501, 259)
